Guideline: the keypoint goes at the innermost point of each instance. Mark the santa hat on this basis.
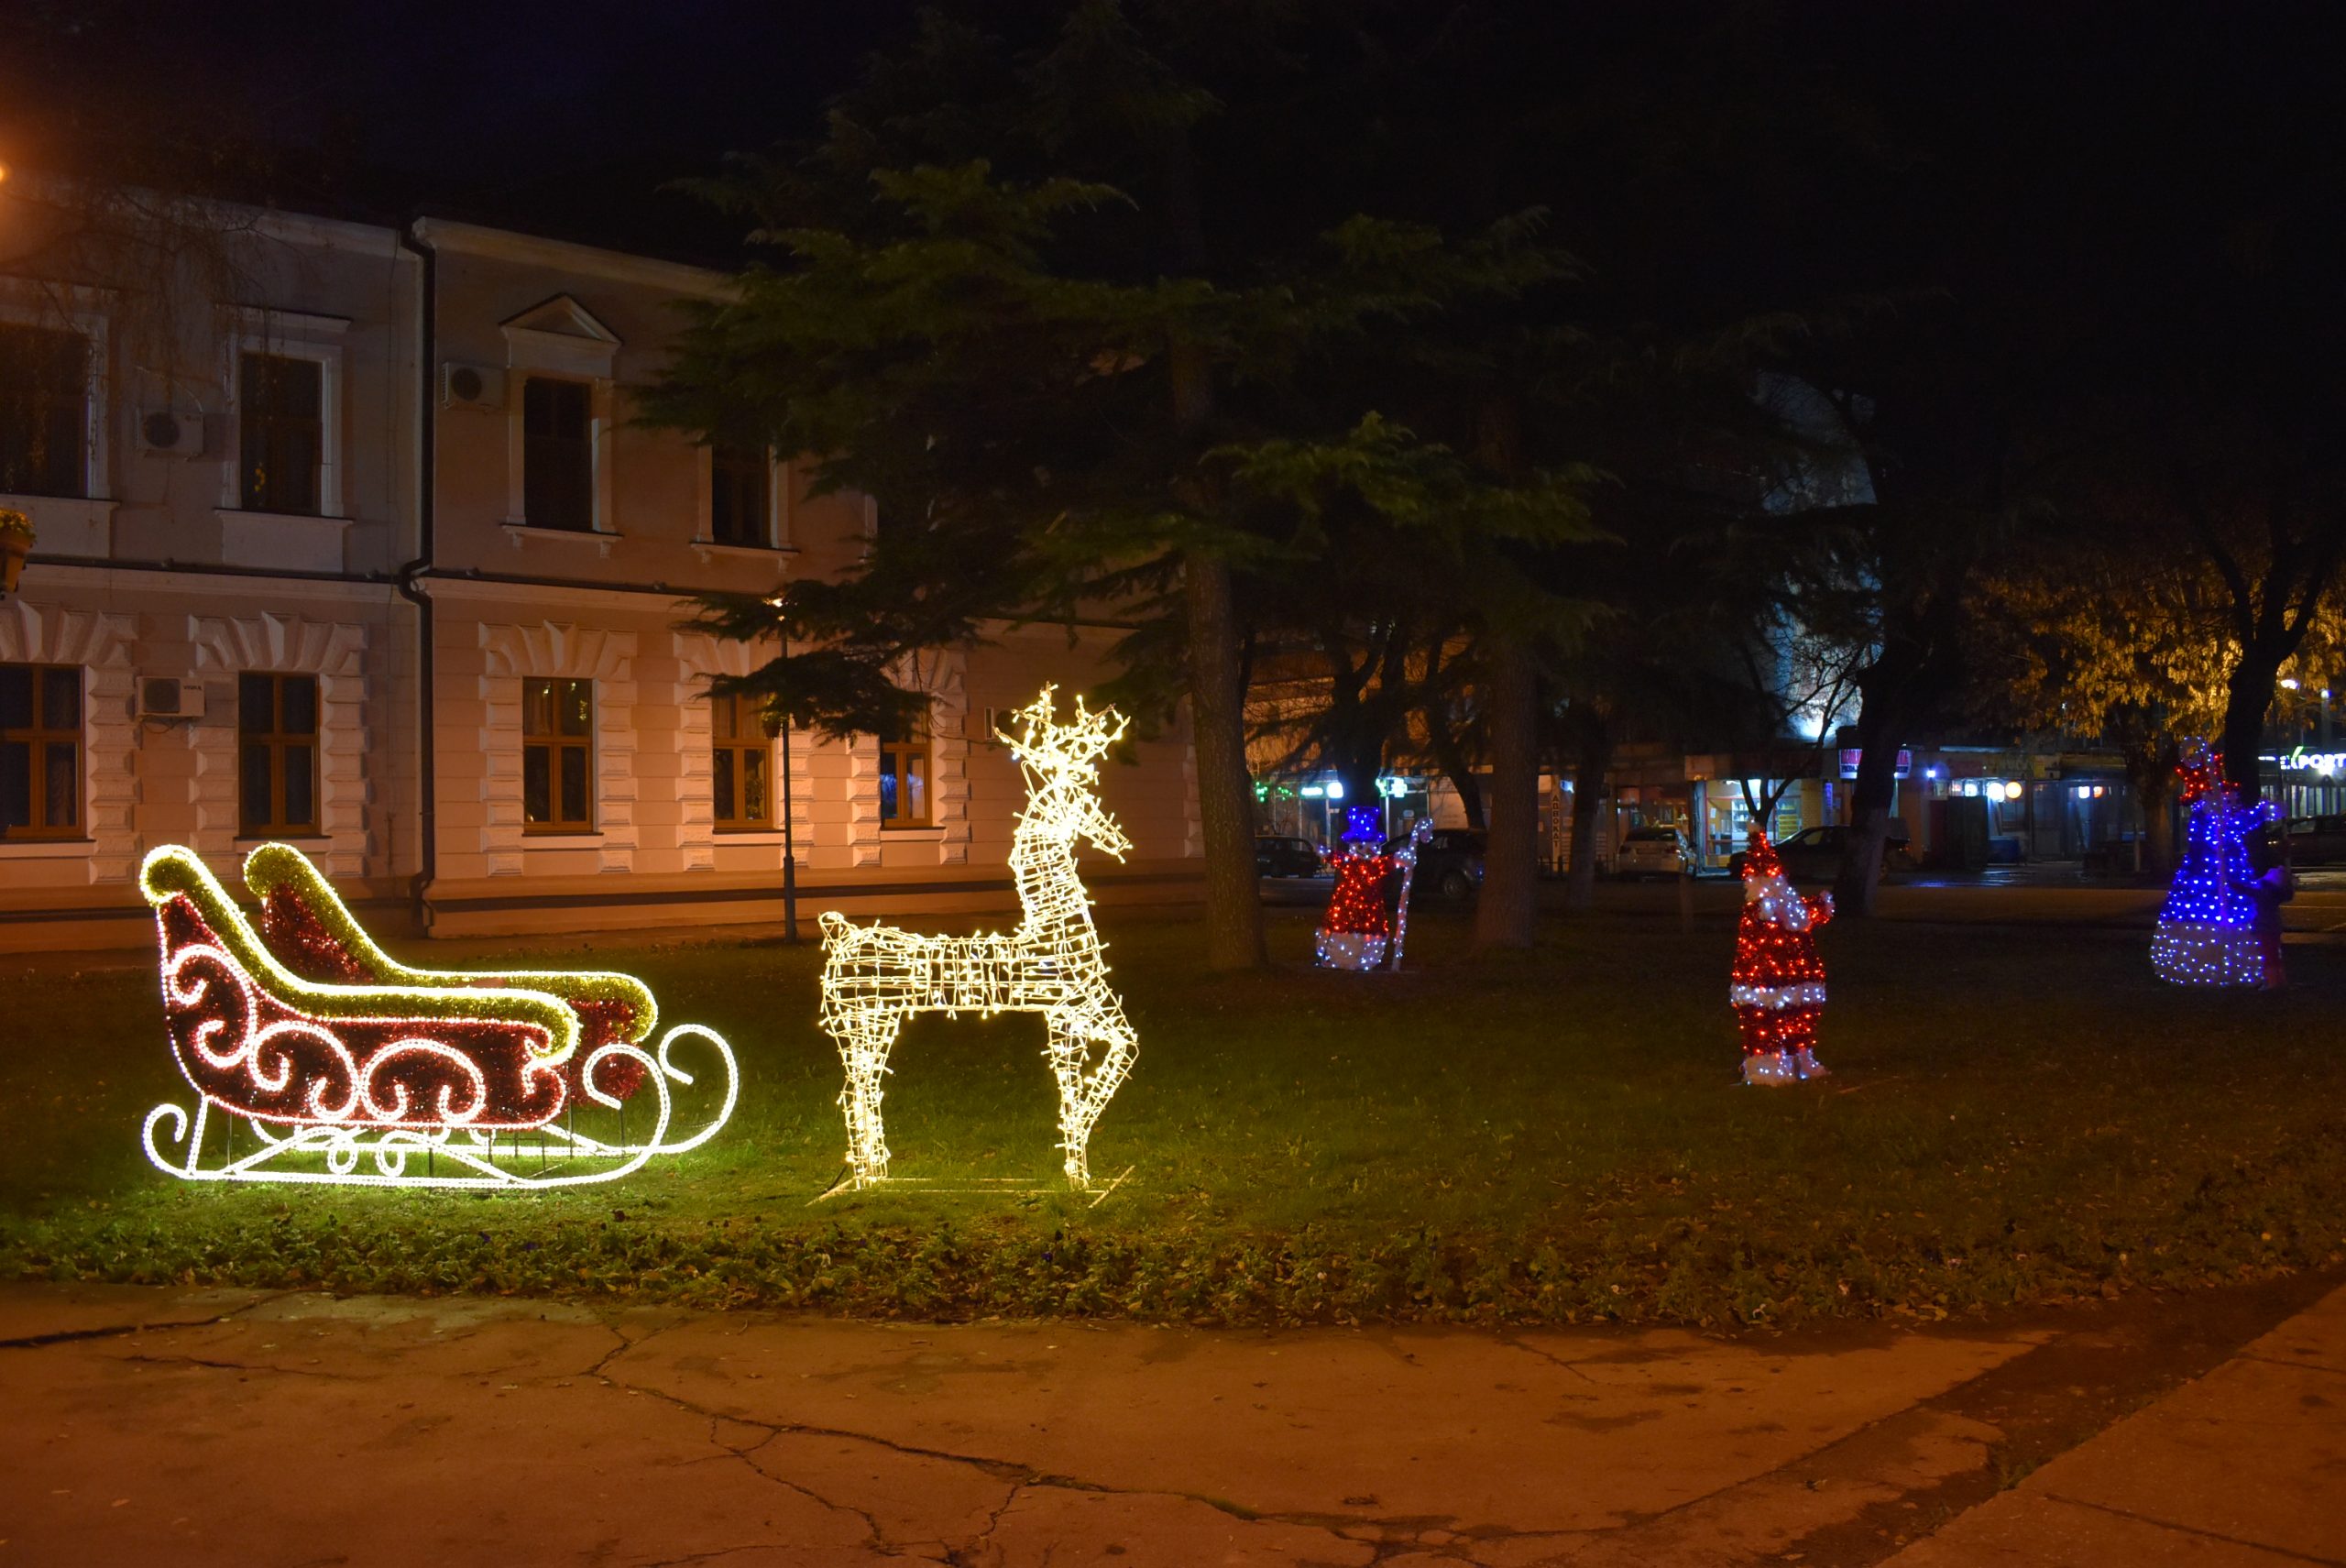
(1760, 860)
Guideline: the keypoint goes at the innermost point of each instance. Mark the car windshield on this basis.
(1653, 836)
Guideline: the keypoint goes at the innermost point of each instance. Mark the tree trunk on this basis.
(2248, 698)
(1855, 888)
(1360, 786)
(1504, 915)
(1594, 755)
(1225, 789)
(1452, 758)
(2149, 770)
(2158, 828)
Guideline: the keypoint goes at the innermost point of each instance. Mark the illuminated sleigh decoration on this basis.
(874, 977)
(341, 1065)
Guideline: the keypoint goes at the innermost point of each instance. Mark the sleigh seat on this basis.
(311, 932)
(260, 1040)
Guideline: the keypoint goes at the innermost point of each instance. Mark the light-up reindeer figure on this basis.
(876, 976)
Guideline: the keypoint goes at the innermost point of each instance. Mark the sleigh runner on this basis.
(327, 1061)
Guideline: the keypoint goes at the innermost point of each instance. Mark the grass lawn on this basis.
(2017, 1116)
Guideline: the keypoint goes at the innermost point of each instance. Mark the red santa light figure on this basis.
(1367, 913)
(1778, 982)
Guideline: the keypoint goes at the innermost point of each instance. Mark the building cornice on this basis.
(561, 255)
(222, 581)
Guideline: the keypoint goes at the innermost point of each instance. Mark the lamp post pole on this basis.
(782, 727)
(789, 848)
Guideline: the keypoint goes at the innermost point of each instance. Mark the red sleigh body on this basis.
(253, 1053)
(341, 1064)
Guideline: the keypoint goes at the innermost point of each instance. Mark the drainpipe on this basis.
(427, 475)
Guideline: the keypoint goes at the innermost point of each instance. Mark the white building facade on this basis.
(372, 557)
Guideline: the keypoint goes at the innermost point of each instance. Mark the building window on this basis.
(741, 495)
(44, 412)
(742, 763)
(557, 455)
(280, 433)
(277, 755)
(40, 752)
(904, 774)
(557, 756)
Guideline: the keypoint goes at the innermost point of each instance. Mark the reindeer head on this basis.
(1061, 763)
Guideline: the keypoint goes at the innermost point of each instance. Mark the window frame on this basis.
(921, 742)
(77, 457)
(37, 737)
(560, 339)
(590, 442)
(20, 307)
(749, 738)
(772, 530)
(556, 744)
(274, 740)
(285, 334)
(248, 419)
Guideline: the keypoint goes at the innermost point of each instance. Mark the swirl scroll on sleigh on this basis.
(316, 1058)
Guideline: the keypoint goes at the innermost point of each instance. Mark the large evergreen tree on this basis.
(1042, 298)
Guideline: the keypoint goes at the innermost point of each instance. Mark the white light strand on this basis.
(313, 1072)
(874, 977)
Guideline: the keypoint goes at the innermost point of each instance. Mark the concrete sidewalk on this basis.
(206, 1426)
(2243, 1468)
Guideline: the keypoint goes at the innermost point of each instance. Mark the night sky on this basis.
(567, 118)
(570, 118)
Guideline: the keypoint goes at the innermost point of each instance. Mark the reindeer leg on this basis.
(864, 1038)
(1085, 1086)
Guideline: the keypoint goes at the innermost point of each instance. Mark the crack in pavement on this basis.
(872, 1537)
(241, 1366)
(1549, 1357)
(2193, 1530)
(1020, 1476)
(955, 1555)
(120, 1330)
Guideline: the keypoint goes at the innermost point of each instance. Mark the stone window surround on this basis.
(780, 480)
(74, 307)
(288, 335)
(99, 643)
(550, 650)
(589, 353)
(335, 651)
(699, 655)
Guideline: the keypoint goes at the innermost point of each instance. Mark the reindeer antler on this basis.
(1043, 740)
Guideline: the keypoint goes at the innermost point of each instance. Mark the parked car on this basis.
(2318, 840)
(1813, 854)
(1653, 851)
(1276, 856)
(1449, 864)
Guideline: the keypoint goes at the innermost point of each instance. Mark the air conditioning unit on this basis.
(168, 697)
(472, 387)
(171, 432)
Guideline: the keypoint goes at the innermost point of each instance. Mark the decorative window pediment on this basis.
(563, 336)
